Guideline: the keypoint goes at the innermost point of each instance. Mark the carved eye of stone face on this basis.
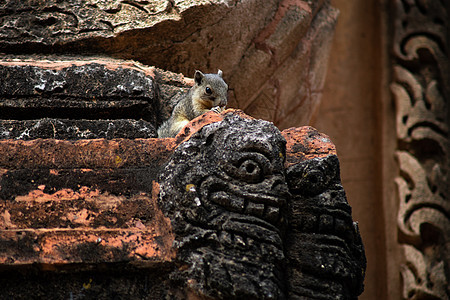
(250, 168)
(312, 177)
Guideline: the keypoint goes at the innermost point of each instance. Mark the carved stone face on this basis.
(323, 244)
(247, 225)
(248, 178)
(226, 195)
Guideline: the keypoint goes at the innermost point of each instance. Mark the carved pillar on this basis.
(421, 92)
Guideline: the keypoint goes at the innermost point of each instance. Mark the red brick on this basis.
(305, 143)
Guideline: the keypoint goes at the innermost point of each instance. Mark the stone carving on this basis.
(326, 254)
(244, 224)
(421, 89)
(225, 193)
(241, 210)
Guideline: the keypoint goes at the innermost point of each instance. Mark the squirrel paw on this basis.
(217, 109)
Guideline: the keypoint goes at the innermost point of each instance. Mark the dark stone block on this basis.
(64, 129)
(117, 282)
(81, 90)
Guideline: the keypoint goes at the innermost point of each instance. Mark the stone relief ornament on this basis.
(226, 194)
(420, 89)
(248, 227)
(324, 246)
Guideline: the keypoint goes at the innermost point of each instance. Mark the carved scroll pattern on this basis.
(421, 92)
(59, 20)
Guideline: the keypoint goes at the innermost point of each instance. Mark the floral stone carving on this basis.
(421, 91)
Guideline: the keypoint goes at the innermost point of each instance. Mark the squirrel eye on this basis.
(208, 90)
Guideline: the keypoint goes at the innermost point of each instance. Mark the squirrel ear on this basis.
(220, 73)
(198, 77)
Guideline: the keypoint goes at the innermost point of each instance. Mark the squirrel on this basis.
(208, 93)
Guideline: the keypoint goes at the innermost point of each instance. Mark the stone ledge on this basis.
(66, 129)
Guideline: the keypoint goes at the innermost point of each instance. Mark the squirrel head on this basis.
(211, 88)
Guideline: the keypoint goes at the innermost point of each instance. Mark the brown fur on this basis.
(196, 102)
